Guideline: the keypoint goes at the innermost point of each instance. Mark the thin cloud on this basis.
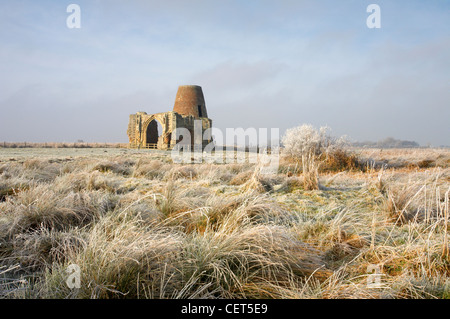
(261, 64)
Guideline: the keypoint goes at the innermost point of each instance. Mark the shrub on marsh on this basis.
(306, 145)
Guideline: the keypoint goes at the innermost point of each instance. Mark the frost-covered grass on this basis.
(140, 226)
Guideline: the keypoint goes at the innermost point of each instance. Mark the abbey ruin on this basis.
(189, 107)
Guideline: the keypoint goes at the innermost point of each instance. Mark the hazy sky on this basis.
(261, 64)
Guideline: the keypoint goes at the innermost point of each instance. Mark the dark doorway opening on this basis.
(154, 130)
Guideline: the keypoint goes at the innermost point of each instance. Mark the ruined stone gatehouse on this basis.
(189, 106)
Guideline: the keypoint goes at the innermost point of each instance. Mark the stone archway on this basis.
(151, 137)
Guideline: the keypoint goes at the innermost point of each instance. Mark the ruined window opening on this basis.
(200, 111)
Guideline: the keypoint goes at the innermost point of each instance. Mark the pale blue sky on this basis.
(260, 63)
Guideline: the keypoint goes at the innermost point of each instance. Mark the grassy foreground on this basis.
(139, 226)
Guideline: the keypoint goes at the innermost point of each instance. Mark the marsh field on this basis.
(138, 225)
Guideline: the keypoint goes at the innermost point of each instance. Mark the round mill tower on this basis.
(190, 101)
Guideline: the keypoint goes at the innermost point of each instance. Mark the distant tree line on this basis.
(388, 142)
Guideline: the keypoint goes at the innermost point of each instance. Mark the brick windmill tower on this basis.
(190, 101)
